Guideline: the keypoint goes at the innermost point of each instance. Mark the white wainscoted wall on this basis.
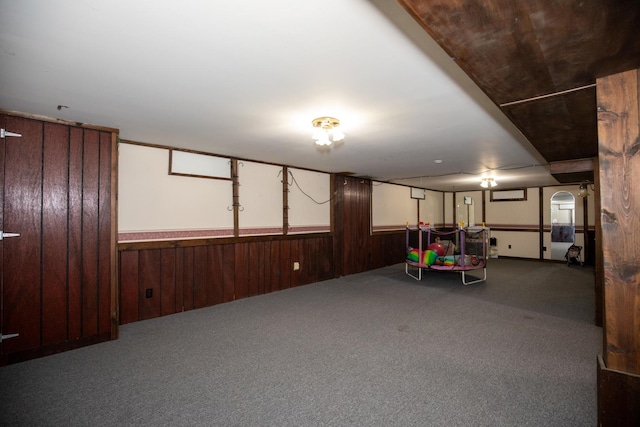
(154, 205)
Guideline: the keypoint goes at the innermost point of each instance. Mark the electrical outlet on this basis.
(296, 266)
(148, 293)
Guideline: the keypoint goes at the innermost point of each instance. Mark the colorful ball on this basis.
(437, 248)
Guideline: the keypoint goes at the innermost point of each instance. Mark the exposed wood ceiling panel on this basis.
(562, 127)
(489, 40)
(520, 51)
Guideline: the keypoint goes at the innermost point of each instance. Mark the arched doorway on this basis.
(563, 230)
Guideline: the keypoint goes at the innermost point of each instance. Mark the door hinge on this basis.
(4, 133)
(3, 235)
(6, 337)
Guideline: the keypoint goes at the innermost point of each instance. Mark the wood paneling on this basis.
(3, 125)
(356, 249)
(286, 264)
(217, 273)
(179, 276)
(129, 287)
(168, 284)
(22, 298)
(241, 262)
(90, 194)
(519, 50)
(149, 282)
(216, 262)
(54, 230)
(58, 292)
(106, 237)
(228, 273)
(274, 271)
(569, 127)
(295, 254)
(75, 233)
(200, 277)
(256, 270)
(187, 281)
(355, 219)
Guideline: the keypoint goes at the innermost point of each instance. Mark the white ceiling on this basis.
(245, 79)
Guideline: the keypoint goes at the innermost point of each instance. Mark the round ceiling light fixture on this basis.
(488, 183)
(326, 132)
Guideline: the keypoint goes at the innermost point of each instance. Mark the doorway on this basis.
(563, 207)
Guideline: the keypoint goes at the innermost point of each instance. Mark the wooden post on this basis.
(285, 200)
(236, 197)
(619, 160)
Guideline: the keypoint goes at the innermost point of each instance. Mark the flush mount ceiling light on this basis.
(488, 182)
(326, 132)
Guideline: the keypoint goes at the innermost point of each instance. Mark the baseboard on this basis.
(21, 356)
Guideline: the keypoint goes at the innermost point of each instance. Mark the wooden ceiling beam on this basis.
(573, 171)
(571, 166)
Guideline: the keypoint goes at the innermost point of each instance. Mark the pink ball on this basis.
(437, 248)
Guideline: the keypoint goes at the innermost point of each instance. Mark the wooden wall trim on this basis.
(136, 246)
(59, 121)
(235, 197)
(541, 221)
(208, 153)
(113, 244)
(285, 200)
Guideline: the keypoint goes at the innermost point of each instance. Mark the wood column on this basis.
(619, 160)
(598, 260)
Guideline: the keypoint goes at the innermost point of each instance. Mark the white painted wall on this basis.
(151, 199)
(523, 244)
(431, 208)
(260, 196)
(309, 199)
(515, 213)
(392, 206)
(470, 214)
(448, 220)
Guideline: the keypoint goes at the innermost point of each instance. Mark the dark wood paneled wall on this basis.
(57, 276)
(357, 250)
(165, 280)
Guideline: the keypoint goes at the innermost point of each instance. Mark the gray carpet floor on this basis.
(371, 349)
